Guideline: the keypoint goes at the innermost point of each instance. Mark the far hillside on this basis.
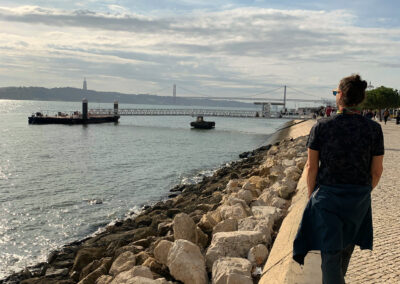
(73, 95)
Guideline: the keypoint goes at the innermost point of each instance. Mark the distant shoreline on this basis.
(76, 95)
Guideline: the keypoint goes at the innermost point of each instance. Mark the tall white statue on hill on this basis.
(84, 84)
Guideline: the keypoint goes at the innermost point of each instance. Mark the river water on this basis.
(60, 183)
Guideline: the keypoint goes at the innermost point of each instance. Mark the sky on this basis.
(207, 48)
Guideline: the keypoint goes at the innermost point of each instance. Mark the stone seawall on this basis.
(220, 230)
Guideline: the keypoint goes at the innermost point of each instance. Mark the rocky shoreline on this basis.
(218, 230)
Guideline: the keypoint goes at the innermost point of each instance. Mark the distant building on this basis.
(84, 84)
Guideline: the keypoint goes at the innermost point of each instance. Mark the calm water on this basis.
(61, 183)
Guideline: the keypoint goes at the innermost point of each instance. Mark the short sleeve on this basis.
(313, 139)
(378, 148)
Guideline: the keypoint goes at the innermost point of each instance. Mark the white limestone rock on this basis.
(262, 212)
(104, 279)
(143, 280)
(292, 173)
(209, 220)
(232, 186)
(258, 255)
(273, 150)
(301, 162)
(233, 244)
(286, 188)
(186, 263)
(184, 228)
(231, 270)
(288, 163)
(227, 225)
(125, 276)
(245, 195)
(258, 225)
(161, 251)
(235, 211)
(123, 262)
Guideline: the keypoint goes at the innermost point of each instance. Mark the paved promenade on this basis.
(382, 265)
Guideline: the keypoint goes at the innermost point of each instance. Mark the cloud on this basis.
(233, 51)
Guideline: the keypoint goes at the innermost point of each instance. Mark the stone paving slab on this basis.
(382, 265)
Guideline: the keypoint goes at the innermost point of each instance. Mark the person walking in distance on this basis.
(386, 115)
(345, 162)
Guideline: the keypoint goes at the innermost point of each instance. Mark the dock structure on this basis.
(178, 112)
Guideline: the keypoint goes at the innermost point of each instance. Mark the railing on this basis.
(176, 112)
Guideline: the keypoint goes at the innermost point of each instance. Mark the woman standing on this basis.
(345, 157)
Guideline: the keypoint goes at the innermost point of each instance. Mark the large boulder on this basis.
(231, 270)
(262, 212)
(301, 162)
(125, 276)
(209, 220)
(286, 188)
(245, 195)
(184, 228)
(288, 163)
(227, 225)
(104, 279)
(186, 263)
(258, 255)
(292, 173)
(233, 244)
(236, 211)
(101, 270)
(123, 262)
(258, 225)
(85, 256)
(161, 251)
(232, 186)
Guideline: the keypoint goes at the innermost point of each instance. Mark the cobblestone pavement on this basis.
(382, 265)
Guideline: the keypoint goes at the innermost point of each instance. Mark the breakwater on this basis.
(249, 191)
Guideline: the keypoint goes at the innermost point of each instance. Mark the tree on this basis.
(381, 98)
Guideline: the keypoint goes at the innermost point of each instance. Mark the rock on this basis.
(258, 255)
(164, 227)
(286, 188)
(231, 270)
(161, 251)
(141, 257)
(53, 272)
(143, 280)
(273, 150)
(259, 225)
(201, 238)
(186, 263)
(288, 163)
(245, 195)
(290, 153)
(132, 248)
(292, 173)
(227, 225)
(126, 276)
(104, 279)
(233, 244)
(96, 274)
(207, 222)
(184, 228)
(301, 162)
(235, 211)
(263, 212)
(278, 202)
(86, 256)
(90, 268)
(123, 262)
(259, 182)
(155, 266)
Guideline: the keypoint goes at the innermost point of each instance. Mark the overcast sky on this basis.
(224, 48)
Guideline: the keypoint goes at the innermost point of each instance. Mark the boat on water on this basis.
(200, 123)
(76, 118)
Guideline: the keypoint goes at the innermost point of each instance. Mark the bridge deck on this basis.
(177, 112)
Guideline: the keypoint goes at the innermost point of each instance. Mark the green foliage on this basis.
(381, 98)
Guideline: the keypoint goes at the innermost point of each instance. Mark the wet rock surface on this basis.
(222, 228)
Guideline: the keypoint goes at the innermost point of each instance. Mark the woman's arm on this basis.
(376, 169)
(312, 170)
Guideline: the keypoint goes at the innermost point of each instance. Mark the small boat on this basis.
(201, 124)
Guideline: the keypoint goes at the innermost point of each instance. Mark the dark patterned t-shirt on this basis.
(346, 144)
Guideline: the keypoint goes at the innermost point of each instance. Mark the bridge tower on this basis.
(284, 99)
(174, 93)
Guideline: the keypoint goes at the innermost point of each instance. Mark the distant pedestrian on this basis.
(342, 169)
(386, 115)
